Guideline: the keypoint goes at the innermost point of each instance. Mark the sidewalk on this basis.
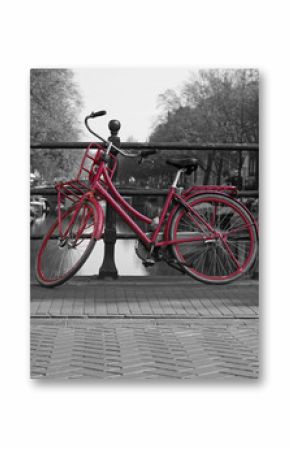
(144, 328)
(139, 297)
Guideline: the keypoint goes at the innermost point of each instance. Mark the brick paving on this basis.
(144, 349)
(144, 329)
(134, 298)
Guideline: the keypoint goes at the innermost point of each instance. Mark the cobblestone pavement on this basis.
(143, 329)
(147, 349)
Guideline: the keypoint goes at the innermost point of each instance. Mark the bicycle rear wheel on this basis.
(223, 254)
(60, 258)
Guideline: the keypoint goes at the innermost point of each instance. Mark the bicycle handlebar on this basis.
(97, 114)
(142, 153)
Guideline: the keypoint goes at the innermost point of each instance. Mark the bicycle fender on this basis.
(198, 190)
(100, 221)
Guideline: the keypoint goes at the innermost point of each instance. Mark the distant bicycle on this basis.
(202, 231)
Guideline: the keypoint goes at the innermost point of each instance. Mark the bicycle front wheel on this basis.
(219, 239)
(60, 257)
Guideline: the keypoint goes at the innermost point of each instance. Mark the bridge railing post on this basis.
(108, 268)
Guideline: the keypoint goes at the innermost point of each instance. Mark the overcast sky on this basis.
(127, 94)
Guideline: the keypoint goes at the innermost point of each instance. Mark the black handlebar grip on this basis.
(97, 114)
(146, 153)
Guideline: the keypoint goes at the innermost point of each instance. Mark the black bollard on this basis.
(108, 268)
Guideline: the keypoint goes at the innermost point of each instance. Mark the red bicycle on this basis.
(202, 231)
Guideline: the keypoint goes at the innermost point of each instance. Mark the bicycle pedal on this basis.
(148, 262)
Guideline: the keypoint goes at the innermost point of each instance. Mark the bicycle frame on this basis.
(122, 207)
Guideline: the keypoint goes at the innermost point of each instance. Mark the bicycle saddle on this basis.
(190, 164)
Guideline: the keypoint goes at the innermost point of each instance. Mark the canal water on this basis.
(126, 259)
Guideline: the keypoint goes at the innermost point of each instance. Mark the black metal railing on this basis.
(108, 268)
(149, 146)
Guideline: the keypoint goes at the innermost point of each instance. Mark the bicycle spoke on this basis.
(221, 271)
(214, 214)
(192, 254)
(238, 229)
(202, 262)
(231, 254)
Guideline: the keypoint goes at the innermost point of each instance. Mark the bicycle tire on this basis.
(50, 247)
(213, 267)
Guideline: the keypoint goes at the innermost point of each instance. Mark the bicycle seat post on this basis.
(177, 177)
(108, 268)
